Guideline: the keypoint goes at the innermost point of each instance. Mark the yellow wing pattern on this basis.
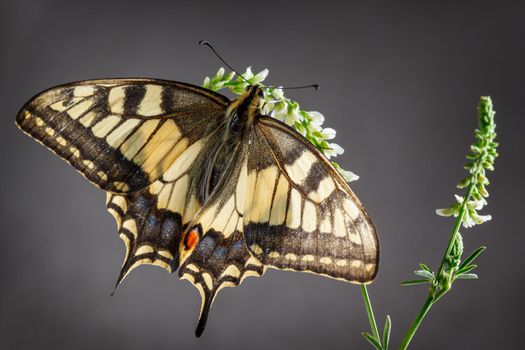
(300, 214)
(121, 134)
(220, 259)
(151, 221)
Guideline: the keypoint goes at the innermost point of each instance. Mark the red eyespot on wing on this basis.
(191, 239)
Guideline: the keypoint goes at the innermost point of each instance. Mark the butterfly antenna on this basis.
(206, 43)
(315, 86)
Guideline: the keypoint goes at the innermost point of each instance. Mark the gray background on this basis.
(400, 83)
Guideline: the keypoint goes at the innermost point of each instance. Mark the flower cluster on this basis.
(482, 156)
(276, 105)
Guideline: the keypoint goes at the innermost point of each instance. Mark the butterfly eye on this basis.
(260, 93)
(247, 88)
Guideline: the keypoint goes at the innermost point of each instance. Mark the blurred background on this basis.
(399, 82)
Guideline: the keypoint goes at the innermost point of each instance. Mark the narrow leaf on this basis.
(471, 257)
(467, 276)
(425, 274)
(386, 332)
(372, 340)
(466, 269)
(426, 268)
(413, 282)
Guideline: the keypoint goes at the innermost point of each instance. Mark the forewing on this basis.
(121, 134)
(221, 258)
(300, 214)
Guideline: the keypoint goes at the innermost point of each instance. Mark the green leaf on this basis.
(372, 340)
(467, 276)
(466, 269)
(471, 257)
(425, 267)
(386, 332)
(414, 282)
(425, 274)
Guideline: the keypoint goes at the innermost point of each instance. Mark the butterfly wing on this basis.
(300, 214)
(151, 221)
(147, 142)
(221, 258)
(121, 134)
(142, 140)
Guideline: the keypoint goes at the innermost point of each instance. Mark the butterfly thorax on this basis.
(238, 119)
(241, 112)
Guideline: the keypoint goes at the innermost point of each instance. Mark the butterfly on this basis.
(204, 185)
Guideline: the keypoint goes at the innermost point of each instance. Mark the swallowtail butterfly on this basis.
(206, 185)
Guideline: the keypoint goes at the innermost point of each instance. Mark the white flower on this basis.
(468, 222)
(317, 118)
(328, 133)
(278, 93)
(268, 107)
(333, 150)
(291, 118)
(445, 211)
(479, 219)
(314, 128)
(280, 111)
(248, 74)
(281, 107)
(260, 76)
(348, 175)
(278, 115)
(477, 205)
(229, 76)
(206, 82)
(220, 74)
(338, 149)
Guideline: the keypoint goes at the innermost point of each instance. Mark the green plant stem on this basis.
(419, 318)
(370, 312)
(436, 292)
(457, 225)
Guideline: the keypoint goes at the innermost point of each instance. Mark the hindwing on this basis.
(121, 134)
(221, 259)
(300, 214)
(151, 221)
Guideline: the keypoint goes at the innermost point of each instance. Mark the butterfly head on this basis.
(243, 110)
(253, 97)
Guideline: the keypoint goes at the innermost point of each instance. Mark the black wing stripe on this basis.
(134, 95)
(325, 229)
(78, 121)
